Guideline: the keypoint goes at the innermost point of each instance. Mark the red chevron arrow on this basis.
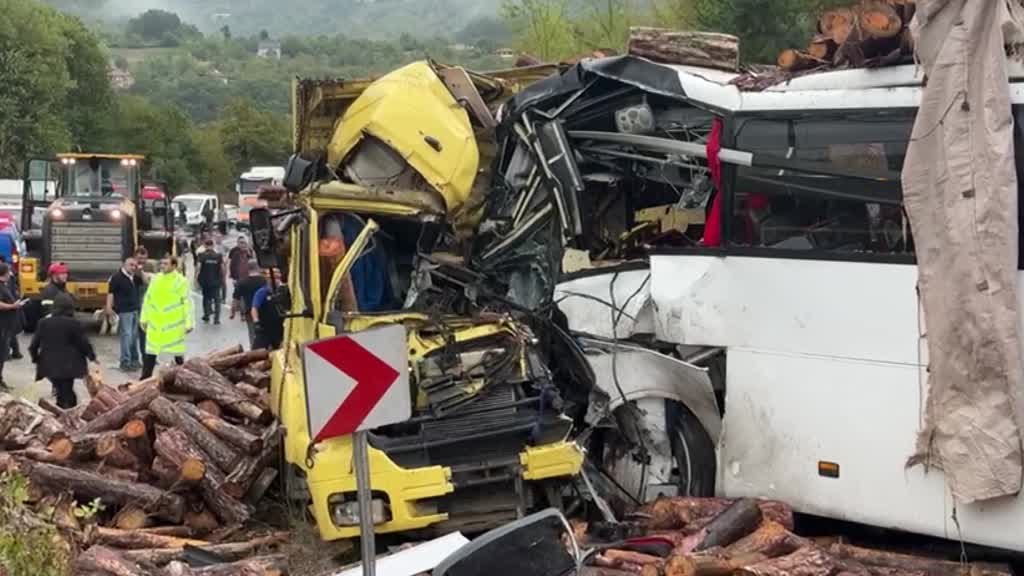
(373, 377)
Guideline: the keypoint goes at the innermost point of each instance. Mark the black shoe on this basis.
(216, 322)
(206, 320)
(17, 356)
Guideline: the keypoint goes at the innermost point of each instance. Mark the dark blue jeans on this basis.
(128, 332)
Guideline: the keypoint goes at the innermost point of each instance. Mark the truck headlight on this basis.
(115, 214)
(346, 512)
(56, 213)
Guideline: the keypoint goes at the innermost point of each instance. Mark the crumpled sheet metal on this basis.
(960, 190)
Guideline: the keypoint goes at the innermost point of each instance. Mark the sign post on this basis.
(354, 383)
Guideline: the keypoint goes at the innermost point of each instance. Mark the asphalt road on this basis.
(20, 374)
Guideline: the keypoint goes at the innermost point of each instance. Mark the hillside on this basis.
(377, 19)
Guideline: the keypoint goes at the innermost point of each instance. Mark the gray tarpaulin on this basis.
(960, 190)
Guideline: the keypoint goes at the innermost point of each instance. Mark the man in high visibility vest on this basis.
(166, 315)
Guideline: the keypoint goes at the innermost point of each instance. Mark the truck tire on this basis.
(693, 450)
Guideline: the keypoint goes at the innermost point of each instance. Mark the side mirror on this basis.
(264, 241)
(298, 174)
(539, 545)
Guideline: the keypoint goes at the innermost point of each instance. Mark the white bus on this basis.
(248, 188)
(807, 315)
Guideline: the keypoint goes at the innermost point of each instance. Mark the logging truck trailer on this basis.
(83, 210)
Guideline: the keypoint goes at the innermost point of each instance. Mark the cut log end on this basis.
(794, 60)
(880, 20)
(61, 449)
(192, 470)
(134, 429)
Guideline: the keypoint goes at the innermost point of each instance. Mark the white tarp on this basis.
(960, 191)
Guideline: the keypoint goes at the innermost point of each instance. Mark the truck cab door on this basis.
(156, 227)
(41, 187)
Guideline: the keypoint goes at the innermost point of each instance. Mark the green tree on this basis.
(544, 27)
(33, 84)
(162, 133)
(252, 137)
(89, 99)
(154, 25)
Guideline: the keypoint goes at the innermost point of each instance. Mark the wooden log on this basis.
(177, 477)
(138, 440)
(137, 539)
(49, 406)
(735, 522)
(255, 393)
(203, 381)
(168, 376)
(243, 477)
(170, 507)
(176, 531)
(262, 367)
(116, 417)
(131, 517)
(605, 571)
(173, 416)
(23, 423)
(795, 60)
(263, 483)
(879, 20)
(706, 49)
(826, 23)
(691, 514)
(178, 463)
(881, 559)
(239, 360)
(114, 451)
(105, 398)
(701, 565)
(36, 453)
(106, 561)
(78, 446)
(629, 557)
(175, 445)
(201, 521)
(843, 22)
(770, 539)
(211, 407)
(102, 469)
(94, 379)
(822, 48)
(232, 551)
(60, 510)
(234, 435)
(271, 565)
(807, 561)
(229, 351)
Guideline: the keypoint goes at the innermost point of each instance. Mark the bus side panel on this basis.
(786, 413)
(854, 310)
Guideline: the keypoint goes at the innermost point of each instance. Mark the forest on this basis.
(203, 106)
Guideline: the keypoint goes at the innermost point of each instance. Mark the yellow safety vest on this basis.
(167, 314)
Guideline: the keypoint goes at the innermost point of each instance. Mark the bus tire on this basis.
(693, 451)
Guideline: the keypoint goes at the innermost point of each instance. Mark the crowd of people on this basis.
(151, 309)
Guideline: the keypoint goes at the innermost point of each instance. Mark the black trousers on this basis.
(65, 391)
(211, 302)
(15, 346)
(142, 343)
(149, 364)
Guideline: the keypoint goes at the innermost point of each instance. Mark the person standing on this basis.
(9, 307)
(238, 260)
(142, 277)
(266, 316)
(245, 291)
(166, 315)
(210, 275)
(12, 285)
(61, 351)
(123, 298)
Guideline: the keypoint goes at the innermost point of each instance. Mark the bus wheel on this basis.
(693, 451)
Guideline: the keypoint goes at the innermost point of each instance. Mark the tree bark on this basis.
(105, 398)
(770, 539)
(177, 446)
(116, 417)
(200, 379)
(263, 483)
(173, 416)
(137, 539)
(239, 360)
(176, 531)
(913, 564)
(234, 435)
(77, 446)
(233, 551)
(179, 461)
(692, 514)
(795, 60)
(113, 451)
(735, 522)
(706, 49)
(242, 478)
(49, 406)
(106, 561)
(822, 47)
(273, 565)
(139, 441)
(211, 407)
(201, 522)
(102, 469)
(701, 565)
(808, 561)
(87, 485)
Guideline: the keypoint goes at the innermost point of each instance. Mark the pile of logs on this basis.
(868, 34)
(177, 461)
(718, 537)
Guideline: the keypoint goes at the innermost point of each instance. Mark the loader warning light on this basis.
(828, 469)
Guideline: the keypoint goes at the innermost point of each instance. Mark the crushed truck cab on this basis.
(369, 238)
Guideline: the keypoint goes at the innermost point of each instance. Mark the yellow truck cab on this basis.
(83, 210)
(383, 177)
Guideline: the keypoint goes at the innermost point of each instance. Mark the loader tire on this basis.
(693, 450)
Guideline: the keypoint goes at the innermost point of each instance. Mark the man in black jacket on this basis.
(9, 307)
(62, 351)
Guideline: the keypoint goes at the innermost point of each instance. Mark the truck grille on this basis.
(92, 250)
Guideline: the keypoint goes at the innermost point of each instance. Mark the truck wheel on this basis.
(693, 451)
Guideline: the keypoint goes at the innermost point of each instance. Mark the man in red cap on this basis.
(58, 284)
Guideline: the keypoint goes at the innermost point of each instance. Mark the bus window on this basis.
(846, 197)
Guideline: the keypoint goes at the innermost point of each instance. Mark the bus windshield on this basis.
(104, 178)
